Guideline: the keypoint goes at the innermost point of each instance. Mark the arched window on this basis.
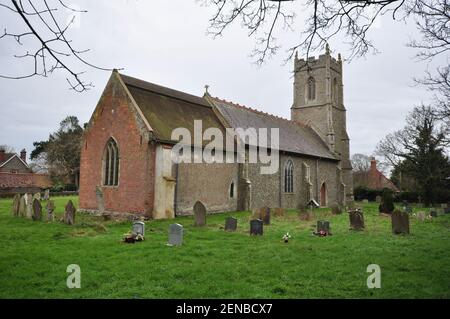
(289, 177)
(111, 164)
(311, 88)
(232, 190)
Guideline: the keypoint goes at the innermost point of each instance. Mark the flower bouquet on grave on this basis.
(131, 238)
(286, 237)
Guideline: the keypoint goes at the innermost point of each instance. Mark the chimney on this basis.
(23, 155)
(2, 155)
(373, 164)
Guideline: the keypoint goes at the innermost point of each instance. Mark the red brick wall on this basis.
(115, 117)
(24, 180)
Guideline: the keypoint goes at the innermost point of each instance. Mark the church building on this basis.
(127, 163)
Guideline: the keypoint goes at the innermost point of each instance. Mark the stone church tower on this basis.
(319, 102)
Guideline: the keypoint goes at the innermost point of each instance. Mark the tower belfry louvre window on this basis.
(111, 164)
(311, 88)
(289, 177)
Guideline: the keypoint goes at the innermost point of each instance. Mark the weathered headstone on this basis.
(230, 224)
(100, 200)
(15, 205)
(69, 214)
(356, 220)
(22, 206)
(264, 215)
(256, 227)
(29, 209)
(336, 209)
(365, 201)
(50, 210)
(323, 228)
(400, 222)
(37, 209)
(279, 212)
(37, 196)
(200, 214)
(378, 199)
(139, 228)
(175, 235)
(47, 194)
(421, 216)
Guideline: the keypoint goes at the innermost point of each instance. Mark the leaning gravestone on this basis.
(421, 216)
(29, 209)
(175, 235)
(16, 205)
(50, 209)
(356, 220)
(37, 209)
(22, 206)
(200, 214)
(400, 222)
(69, 214)
(47, 194)
(256, 227)
(323, 227)
(230, 224)
(139, 228)
(264, 215)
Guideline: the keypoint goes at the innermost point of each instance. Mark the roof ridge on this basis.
(252, 109)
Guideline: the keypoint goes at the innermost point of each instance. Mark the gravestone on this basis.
(37, 196)
(47, 194)
(139, 228)
(356, 220)
(16, 205)
(279, 212)
(200, 214)
(378, 199)
(50, 209)
(22, 206)
(365, 201)
(264, 215)
(256, 227)
(433, 213)
(37, 209)
(336, 209)
(230, 224)
(444, 205)
(323, 227)
(175, 235)
(400, 222)
(29, 209)
(305, 216)
(69, 214)
(421, 216)
(100, 200)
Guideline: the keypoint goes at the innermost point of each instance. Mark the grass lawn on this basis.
(215, 264)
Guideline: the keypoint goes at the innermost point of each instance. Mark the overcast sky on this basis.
(165, 42)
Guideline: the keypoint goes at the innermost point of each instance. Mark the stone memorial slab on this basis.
(23, 206)
(421, 216)
(50, 211)
(37, 209)
(378, 199)
(230, 224)
(200, 214)
(256, 227)
(400, 222)
(29, 208)
(176, 235)
(323, 228)
(15, 205)
(100, 200)
(69, 214)
(47, 194)
(139, 228)
(365, 201)
(356, 220)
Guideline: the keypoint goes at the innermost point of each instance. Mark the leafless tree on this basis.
(7, 148)
(45, 40)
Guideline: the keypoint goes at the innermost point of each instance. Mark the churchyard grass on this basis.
(213, 263)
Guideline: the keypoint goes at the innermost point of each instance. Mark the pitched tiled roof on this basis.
(295, 137)
(166, 109)
(7, 156)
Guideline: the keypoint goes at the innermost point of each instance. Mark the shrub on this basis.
(387, 202)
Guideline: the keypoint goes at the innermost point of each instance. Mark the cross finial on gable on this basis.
(206, 89)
